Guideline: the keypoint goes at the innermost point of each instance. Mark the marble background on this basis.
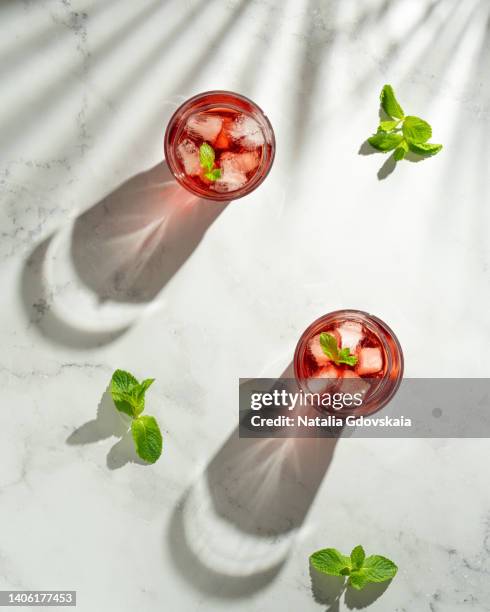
(198, 296)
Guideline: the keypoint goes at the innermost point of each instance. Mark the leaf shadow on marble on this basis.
(328, 590)
(51, 91)
(114, 259)
(234, 528)
(123, 452)
(317, 36)
(390, 163)
(108, 423)
(214, 46)
(387, 168)
(356, 600)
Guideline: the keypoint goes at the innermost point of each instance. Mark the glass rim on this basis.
(393, 356)
(259, 175)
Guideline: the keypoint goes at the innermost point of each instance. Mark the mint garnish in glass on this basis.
(206, 159)
(334, 352)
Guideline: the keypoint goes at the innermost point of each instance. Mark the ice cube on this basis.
(232, 178)
(329, 371)
(352, 383)
(350, 374)
(370, 361)
(234, 168)
(189, 154)
(247, 132)
(206, 126)
(350, 334)
(317, 351)
(324, 379)
(244, 162)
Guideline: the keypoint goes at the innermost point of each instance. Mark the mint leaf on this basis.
(138, 395)
(213, 175)
(388, 126)
(147, 438)
(378, 569)
(145, 384)
(122, 382)
(128, 394)
(358, 580)
(389, 102)
(385, 142)
(330, 348)
(206, 156)
(330, 561)
(427, 149)
(401, 151)
(123, 386)
(206, 159)
(329, 345)
(138, 401)
(416, 129)
(373, 569)
(125, 404)
(357, 557)
(346, 357)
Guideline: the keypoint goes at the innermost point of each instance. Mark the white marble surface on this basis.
(198, 297)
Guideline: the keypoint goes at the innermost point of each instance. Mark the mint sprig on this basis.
(384, 142)
(401, 133)
(206, 159)
(360, 569)
(129, 398)
(334, 352)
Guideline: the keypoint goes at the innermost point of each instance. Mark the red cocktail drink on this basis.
(219, 145)
(350, 351)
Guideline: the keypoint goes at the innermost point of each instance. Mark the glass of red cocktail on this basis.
(219, 145)
(350, 351)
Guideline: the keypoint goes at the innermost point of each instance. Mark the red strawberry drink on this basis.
(219, 145)
(350, 350)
